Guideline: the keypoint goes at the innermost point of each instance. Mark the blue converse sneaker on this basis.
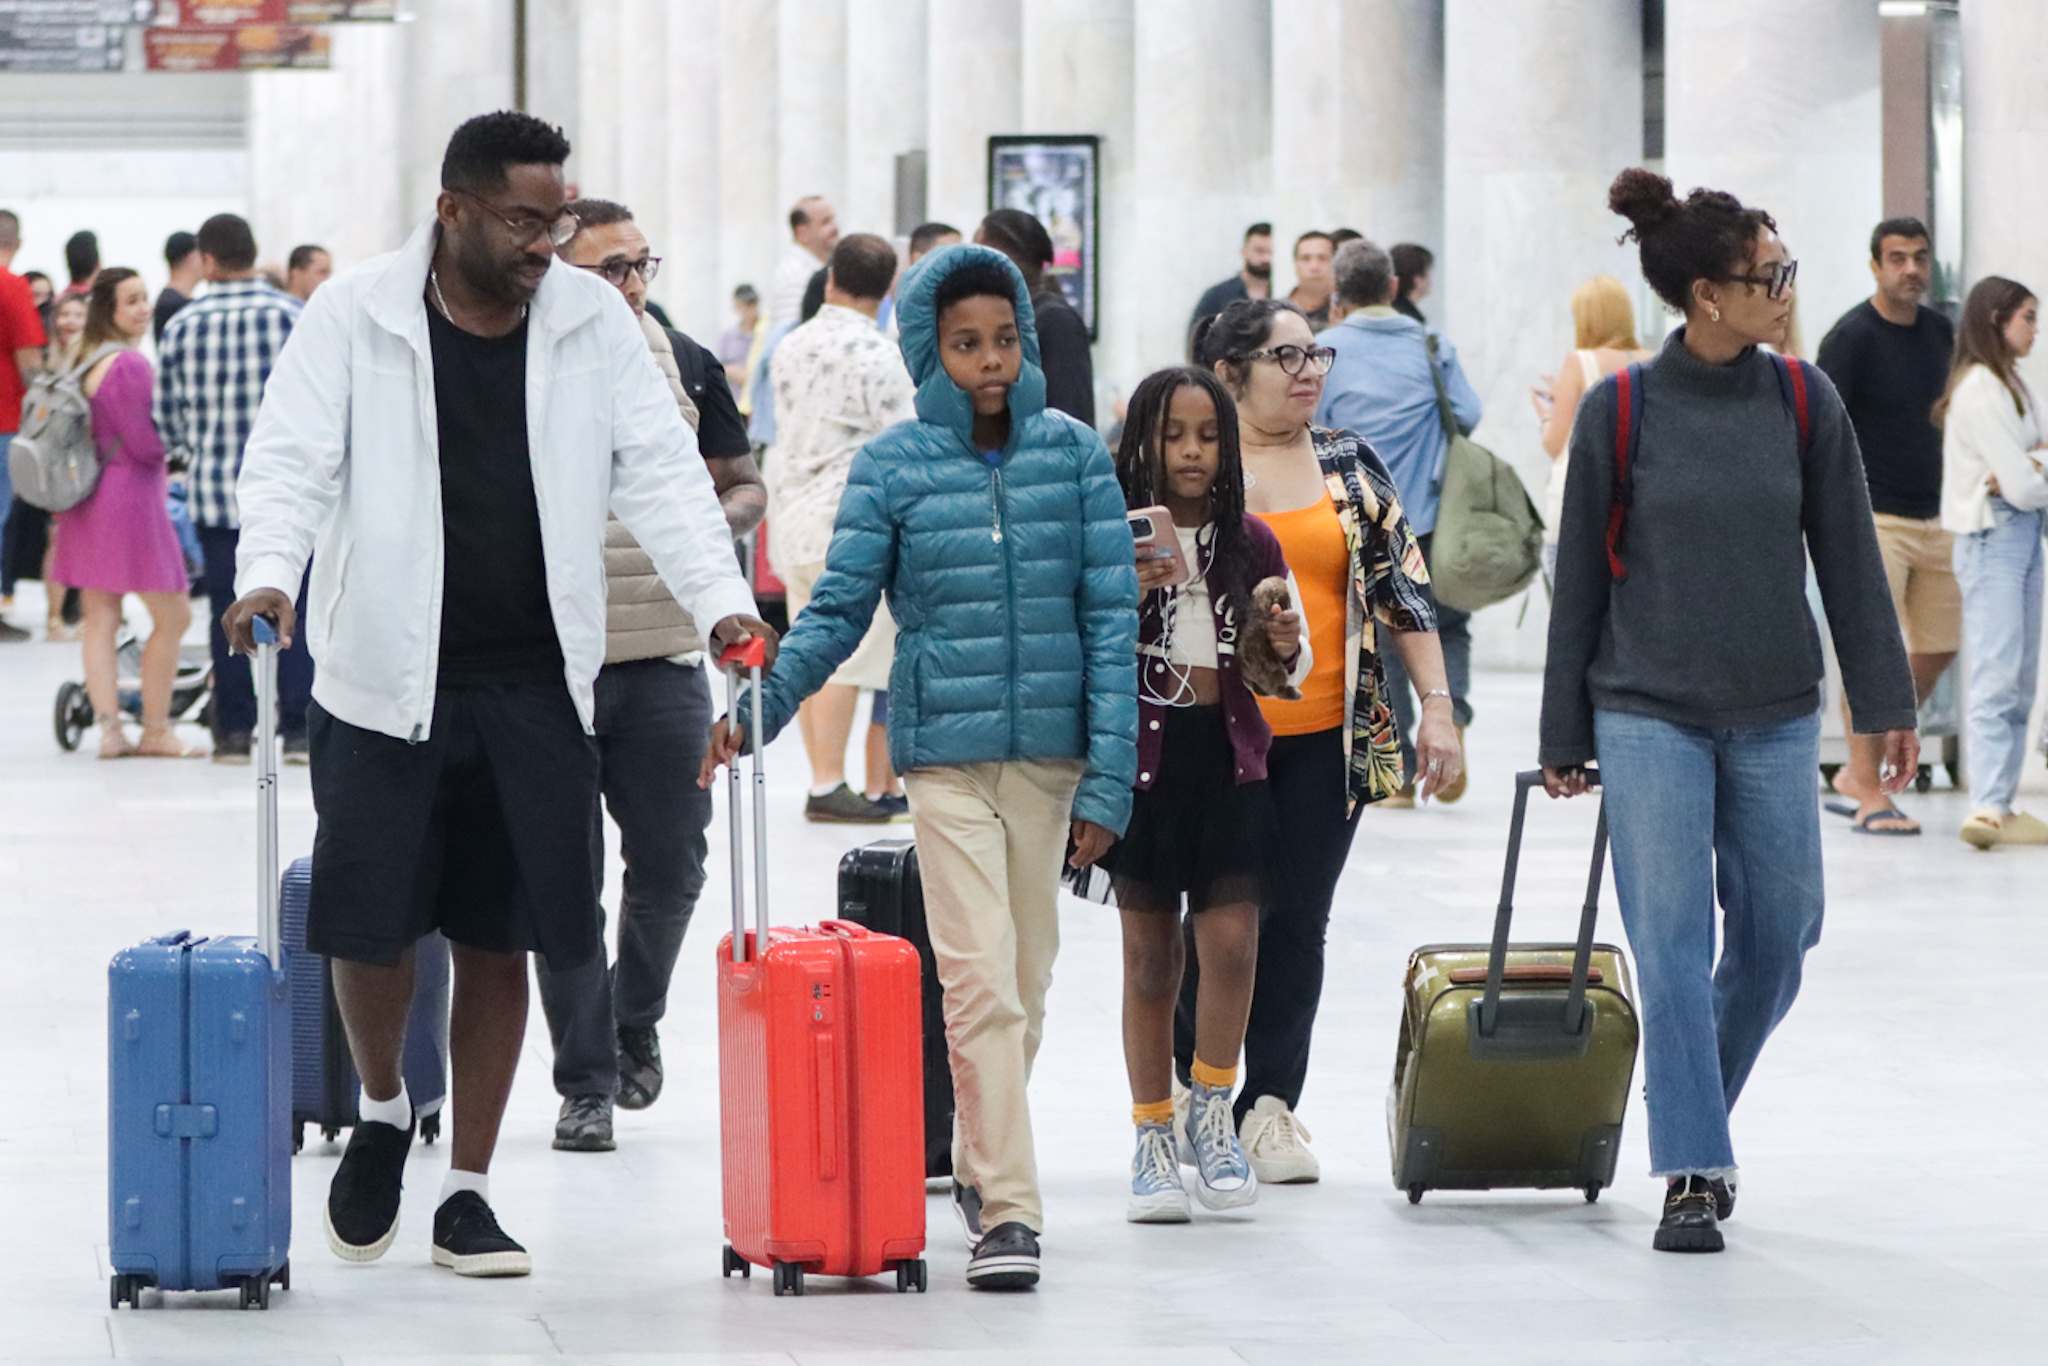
(1223, 1175)
(1157, 1195)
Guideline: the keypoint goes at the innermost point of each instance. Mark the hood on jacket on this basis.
(939, 400)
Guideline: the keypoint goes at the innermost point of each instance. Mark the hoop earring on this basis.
(1714, 313)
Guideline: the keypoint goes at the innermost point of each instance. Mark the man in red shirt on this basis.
(21, 355)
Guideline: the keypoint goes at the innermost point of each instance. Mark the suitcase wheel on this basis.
(283, 1278)
(256, 1291)
(1415, 1193)
(298, 1138)
(1592, 1192)
(330, 1134)
(735, 1262)
(430, 1127)
(910, 1276)
(789, 1278)
(128, 1287)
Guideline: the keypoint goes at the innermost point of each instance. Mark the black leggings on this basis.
(1305, 774)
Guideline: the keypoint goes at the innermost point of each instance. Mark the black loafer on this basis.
(1690, 1221)
(1724, 1199)
(362, 1201)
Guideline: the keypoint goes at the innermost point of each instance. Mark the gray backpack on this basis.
(52, 460)
(1489, 538)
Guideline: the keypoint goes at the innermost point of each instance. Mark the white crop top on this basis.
(1191, 634)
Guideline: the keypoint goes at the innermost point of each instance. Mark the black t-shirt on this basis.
(1215, 299)
(496, 625)
(167, 305)
(1890, 378)
(721, 431)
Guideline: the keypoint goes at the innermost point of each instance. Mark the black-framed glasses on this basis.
(1294, 359)
(617, 270)
(1775, 277)
(561, 230)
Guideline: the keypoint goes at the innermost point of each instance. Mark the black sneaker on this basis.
(639, 1067)
(297, 750)
(362, 1202)
(967, 1209)
(895, 803)
(234, 747)
(1005, 1260)
(1690, 1222)
(585, 1125)
(843, 806)
(468, 1241)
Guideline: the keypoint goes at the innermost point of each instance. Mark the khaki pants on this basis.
(990, 839)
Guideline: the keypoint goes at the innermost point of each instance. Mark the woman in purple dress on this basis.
(120, 539)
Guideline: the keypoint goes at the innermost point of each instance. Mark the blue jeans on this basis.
(1999, 571)
(6, 501)
(1692, 812)
(234, 687)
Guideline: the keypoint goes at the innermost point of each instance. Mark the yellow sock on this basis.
(1152, 1112)
(1215, 1078)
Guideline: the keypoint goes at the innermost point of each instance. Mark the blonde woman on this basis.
(1605, 323)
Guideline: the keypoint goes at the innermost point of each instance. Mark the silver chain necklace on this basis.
(434, 282)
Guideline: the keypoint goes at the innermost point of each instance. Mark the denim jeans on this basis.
(234, 687)
(1999, 571)
(1693, 812)
(1454, 631)
(653, 723)
(6, 504)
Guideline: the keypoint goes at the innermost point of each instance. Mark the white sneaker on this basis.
(1182, 1149)
(1223, 1177)
(1276, 1143)
(1157, 1195)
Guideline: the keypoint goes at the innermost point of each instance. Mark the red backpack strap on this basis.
(1628, 440)
(1792, 384)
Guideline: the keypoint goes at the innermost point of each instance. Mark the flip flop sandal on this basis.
(1890, 813)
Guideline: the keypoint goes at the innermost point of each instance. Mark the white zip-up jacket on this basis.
(344, 467)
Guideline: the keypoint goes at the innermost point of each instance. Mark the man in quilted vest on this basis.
(653, 715)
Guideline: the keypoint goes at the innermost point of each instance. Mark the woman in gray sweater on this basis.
(1684, 658)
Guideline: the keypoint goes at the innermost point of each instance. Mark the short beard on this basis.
(1261, 272)
(487, 276)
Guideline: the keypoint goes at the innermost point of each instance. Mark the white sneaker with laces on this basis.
(1224, 1178)
(1276, 1143)
(1157, 1195)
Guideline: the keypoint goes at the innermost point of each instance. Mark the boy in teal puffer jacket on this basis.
(996, 526)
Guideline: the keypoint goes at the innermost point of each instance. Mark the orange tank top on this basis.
(1313, 541)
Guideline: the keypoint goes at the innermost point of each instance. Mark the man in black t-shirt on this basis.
(181, 254)
(1254, 279)
(1063, 345)
(1889, 360)
(653, 720)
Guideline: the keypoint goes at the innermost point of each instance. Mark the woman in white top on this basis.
(1605, 324)
(1992, 496)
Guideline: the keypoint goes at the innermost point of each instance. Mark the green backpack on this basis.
(1489, 537)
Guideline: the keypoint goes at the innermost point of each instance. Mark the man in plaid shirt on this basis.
(214, 359)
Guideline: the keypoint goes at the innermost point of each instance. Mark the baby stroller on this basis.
(191, 690)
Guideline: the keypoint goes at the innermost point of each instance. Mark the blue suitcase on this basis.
(199, 1085)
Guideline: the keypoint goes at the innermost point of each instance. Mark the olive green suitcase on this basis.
(1514, 1060)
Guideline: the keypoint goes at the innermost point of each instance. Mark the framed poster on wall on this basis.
(1057, 180)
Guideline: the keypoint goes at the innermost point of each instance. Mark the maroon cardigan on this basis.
(1250, 736)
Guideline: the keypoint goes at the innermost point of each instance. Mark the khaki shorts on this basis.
(869, 666)
(1918, 564)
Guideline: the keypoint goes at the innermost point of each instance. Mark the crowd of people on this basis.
(496, 495)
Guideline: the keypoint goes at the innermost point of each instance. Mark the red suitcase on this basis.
(820, 1083)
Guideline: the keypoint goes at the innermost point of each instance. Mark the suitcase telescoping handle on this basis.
(1572, 1020)
(268, 874)
(751, 655)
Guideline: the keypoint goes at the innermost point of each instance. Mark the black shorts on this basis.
(483, 831)
(1196, 831)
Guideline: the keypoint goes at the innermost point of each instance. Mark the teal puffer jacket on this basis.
(1012, 584)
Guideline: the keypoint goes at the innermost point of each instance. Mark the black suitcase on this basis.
(879, 888)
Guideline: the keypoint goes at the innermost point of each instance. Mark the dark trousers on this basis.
(1305, 774)
(234, 688)
(1454, 630)
(653, 724)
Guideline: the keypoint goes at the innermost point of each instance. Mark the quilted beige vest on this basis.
(642, 621)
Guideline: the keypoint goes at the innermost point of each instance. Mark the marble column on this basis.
(1795, 127)
(810, 81)
(458, 64)
(1203, 128)
(2005, 143)
(554, 67)
(1358, 132)
(886, 108)
(973, 90)
(691, 284)
(1076, 78)
(1543, 106)
(641, 177)
(594, 164)
(753, 222)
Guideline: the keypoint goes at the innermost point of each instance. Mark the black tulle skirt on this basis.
(1196, 832)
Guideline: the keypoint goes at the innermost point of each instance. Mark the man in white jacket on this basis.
(443, 437)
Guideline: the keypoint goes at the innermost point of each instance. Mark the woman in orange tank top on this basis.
(1332, 505)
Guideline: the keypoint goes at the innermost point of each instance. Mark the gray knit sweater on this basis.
(1710, 626)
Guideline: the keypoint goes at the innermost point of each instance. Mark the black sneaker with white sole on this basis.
(468, 1241)
(1691, 1221)
(1007, 1259)
(585, 1125)
(362, 1201)
(967, 1209)
(639, 1067)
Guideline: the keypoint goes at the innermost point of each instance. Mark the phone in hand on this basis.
(1155, 539)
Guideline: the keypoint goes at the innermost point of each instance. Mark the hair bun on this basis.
(1644, 198)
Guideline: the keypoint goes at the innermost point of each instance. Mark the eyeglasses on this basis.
(616, 271)
(561, 230)
(1294, 359)
(1775, 277)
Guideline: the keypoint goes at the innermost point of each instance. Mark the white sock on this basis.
(397, 1112)
(825, 789)
(466, 1181)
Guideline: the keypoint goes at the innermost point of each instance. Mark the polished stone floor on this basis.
(1887, 1139)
